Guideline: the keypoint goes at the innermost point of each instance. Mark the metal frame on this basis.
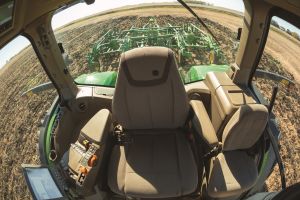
(183, 40)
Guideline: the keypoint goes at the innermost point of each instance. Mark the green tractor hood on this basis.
(98, 78)
(198, 72)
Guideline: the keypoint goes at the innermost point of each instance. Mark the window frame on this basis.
(274, 12)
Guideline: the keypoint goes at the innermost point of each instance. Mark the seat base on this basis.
(153, 165)
(231, 174)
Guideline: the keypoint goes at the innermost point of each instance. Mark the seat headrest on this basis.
(245, 127)
(147, 66)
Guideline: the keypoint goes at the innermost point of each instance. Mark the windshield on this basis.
(93, 44)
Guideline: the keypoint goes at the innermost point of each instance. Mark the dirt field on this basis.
(279, 45)
(20, 116)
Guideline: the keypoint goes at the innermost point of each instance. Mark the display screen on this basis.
(6, 14)
(41, 183)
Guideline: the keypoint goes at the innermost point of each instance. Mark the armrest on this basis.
(89, 155)
(98, 127)
(202, 124)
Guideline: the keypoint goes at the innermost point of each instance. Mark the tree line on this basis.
(288, 31)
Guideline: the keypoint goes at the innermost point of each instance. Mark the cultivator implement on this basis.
(186, 41)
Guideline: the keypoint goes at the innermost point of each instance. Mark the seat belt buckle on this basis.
(214, 151)
(121, 136)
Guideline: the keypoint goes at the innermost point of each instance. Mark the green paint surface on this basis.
(48, 136)
(198, 72)
(98, 78)
(264, 164)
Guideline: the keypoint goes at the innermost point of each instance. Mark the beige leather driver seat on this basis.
(150, 103)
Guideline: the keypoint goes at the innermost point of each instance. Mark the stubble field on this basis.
(21, 115)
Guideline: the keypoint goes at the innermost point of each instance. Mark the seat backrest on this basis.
(245, 127)
(226, 98)
(149, 92)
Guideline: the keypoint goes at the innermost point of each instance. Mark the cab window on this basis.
(280, 67)
(21, 110)
(93, 44)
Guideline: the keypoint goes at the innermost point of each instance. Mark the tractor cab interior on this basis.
(151, 136)
(154, 131)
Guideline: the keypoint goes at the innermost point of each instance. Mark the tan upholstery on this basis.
(96, 127)
(231, 174)
(149, 92)
(202, 123)
(151, 105)
(245, 127)
(232, 171)
(226, 98)
(96, 133)
(154, 165)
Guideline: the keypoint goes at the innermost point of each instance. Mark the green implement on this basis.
(186, 41)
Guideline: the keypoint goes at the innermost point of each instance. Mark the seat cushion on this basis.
(156, 165)
(231, 174)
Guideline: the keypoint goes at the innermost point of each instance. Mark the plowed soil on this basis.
(21, 115)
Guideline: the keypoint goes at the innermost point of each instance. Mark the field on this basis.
(20, 116)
